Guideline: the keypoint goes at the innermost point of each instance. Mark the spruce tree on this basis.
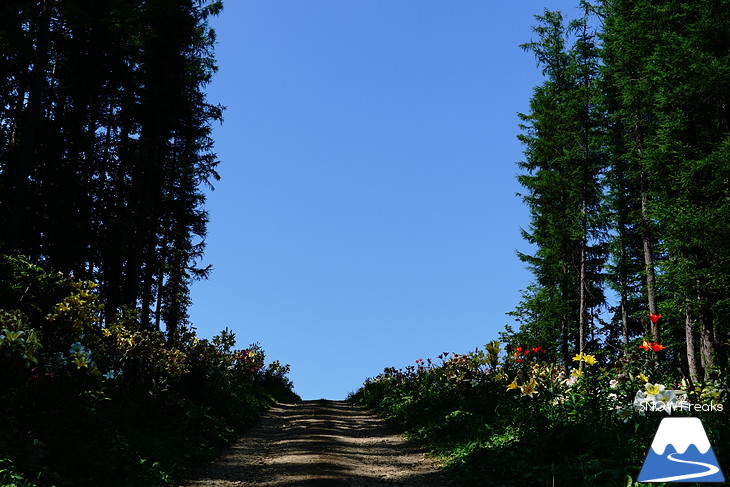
(106, 148)
(562, 135)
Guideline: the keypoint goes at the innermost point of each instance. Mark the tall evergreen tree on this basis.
(562, 135)
(631, 29)
(666, 75)
(106, 146)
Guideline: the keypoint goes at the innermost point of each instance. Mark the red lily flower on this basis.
(651, 346)
(654, 318)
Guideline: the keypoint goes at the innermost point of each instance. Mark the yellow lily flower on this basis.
(530, 388)
(589, 359)
(652, 389)
(513, 385)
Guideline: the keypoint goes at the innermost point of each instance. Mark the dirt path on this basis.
(320, 444)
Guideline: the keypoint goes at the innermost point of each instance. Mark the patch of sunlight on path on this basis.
(321, 443)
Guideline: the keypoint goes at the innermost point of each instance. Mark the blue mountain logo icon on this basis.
(680, 452)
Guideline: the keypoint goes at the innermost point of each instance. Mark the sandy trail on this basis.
(320, 443)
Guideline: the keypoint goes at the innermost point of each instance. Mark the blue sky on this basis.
(367, 215)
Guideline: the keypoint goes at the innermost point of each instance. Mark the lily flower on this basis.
(624, 414)
(655, 346)
(589, 359)
(654, 389)
(530, 388)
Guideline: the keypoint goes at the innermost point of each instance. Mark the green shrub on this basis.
(520, 419)
(85, 403)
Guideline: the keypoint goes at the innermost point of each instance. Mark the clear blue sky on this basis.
(366, 215)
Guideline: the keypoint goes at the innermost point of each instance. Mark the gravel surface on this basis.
(320, 443)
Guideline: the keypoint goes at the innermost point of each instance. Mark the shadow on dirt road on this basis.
(320, 444)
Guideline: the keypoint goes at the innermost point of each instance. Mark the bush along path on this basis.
(86, 403)
(321, 444)
(518, 418)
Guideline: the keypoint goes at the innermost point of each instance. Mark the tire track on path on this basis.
(320, 443)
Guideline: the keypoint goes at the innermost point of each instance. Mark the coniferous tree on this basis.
(563, 166)
(665, 71)
(106, 145)
(629, 34)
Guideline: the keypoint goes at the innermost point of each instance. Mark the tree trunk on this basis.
(582, 305)
(694, 371)
(707, 346)
(160, 284)
(565, 322)
(625, 321)
(707, 338)
(20, 171)
(648, 258)
(564, 336)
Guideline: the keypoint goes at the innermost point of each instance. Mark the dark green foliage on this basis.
(105, 152)
(665, 68)
(491, 432)
(82, 405)
(563, 135)
(105, 145)
(626, 178)
(28, 288)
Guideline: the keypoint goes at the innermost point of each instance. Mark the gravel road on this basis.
(324, 444)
